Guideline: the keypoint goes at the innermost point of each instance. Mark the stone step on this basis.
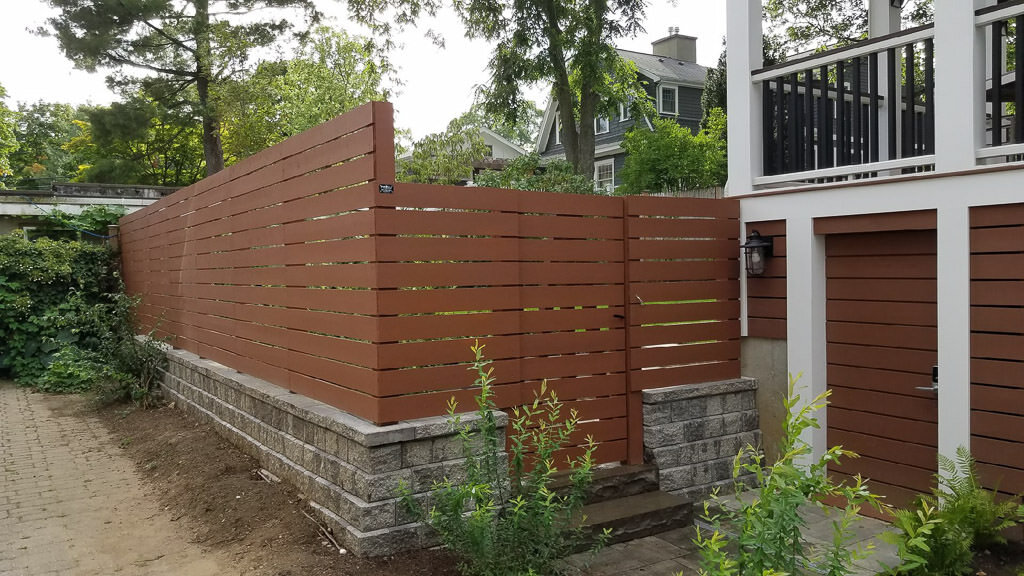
(614, 482)
(637, 516)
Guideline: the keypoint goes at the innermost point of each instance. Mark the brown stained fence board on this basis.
(914, 431)
(680, 333)
(895, 473)
(352, 275)
(680, 229)
(569, 227)
(496, 298)
(882, 244)
(570, 251)
(572, 365)
(998, 346)
(685, 354)
(883, 290)
(399, 355)
(915, 337)
(361, 405)
(676, 376)
(355, 250)
(996, 293)
(997, 372)
(1008, 239)
(344, 226)
(683, 312)
(993, 399)
(409, 249)
(885, 404)
(997, 266)
(912, 266)
(331, 300)
(446, 223)
(767, 328)
(393, 329)
(766, 307)
(399, 275)
(723, 289)
(429, 379)
(766, 288)
(896, 359)
(689, 270)
(688, 207)
(1001, 215)
(415, 195)
(998, 452)
(1008, 480)
(569, 204)
(1006, 427)
(891, 221)
(884, 448)
(905, 313)
(596, 386)
(662, 250)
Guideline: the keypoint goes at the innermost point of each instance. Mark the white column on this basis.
(743, 54)
(805, 317)
(959, 86)
(883, 19)
(954, 322)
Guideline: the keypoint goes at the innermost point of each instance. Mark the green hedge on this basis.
(52, 296)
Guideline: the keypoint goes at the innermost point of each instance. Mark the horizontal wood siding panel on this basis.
(997, 337)
(766, 294)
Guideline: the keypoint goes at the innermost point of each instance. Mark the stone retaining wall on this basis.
(693, 432)
(349, 469)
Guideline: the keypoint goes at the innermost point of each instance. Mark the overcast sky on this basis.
(438, 82)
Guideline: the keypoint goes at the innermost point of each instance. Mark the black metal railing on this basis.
(866, 103)
(1003, 91)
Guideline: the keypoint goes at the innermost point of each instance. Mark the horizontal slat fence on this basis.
(997, 345)
(297, 267)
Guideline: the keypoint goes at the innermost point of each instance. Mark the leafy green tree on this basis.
(331, 74)
(671, 158)
(8, 140)
(445, 157)
(183, 49)
(138, 142)
(44, 128)
(523, 131)
(799, 25)
(526, 173)
(568, 44)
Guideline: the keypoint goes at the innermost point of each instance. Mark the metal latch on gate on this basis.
(935, 381)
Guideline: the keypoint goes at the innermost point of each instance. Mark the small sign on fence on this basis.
(387, 188)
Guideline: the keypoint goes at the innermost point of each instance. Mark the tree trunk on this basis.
(585, 154)
(213, 151)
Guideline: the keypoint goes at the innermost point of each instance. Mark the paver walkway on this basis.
(674, 552)
(70, 503)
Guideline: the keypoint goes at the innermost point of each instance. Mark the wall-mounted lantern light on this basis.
(756, 251)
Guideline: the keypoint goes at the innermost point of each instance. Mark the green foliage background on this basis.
(49, 292)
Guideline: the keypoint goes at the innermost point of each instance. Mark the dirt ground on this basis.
(215, 491)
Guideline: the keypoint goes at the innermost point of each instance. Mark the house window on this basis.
(604, 176)
(669, 100)
(488, 151)
(558, 131)
(601, 125)
(624, 112)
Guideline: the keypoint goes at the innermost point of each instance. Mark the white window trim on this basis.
(597, 165)
(607, 123)
(661, 100)
(624, 113)
(558, 131)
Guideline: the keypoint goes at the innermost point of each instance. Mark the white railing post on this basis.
(883, 19)
(744, 54)
(959, 86)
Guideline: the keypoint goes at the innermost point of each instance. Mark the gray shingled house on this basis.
(675, 82)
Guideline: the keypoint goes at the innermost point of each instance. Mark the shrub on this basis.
(504, 519)
(942, 531)
(45, 286)
(768, 528)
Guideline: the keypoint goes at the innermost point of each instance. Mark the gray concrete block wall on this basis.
(351, 470)
(692, 433)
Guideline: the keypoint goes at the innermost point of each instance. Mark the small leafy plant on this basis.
(768, 528)
(504, 518)
(940, 534)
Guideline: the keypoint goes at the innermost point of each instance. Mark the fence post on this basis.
(634, 399)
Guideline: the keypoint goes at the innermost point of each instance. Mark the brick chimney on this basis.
(677, 46)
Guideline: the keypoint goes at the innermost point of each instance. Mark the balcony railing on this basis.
(850, 113)
(1004, 140)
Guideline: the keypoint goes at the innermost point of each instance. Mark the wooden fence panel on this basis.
(297, 267)
(997, 345)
